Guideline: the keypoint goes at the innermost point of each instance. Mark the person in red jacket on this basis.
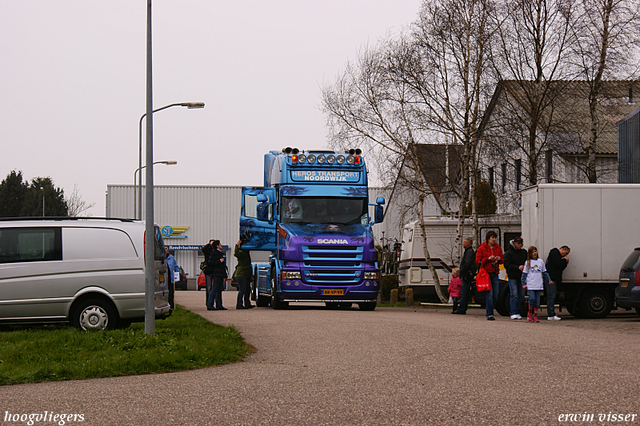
(489, 256)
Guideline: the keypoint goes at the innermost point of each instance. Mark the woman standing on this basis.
(534, 276)
(489, 256)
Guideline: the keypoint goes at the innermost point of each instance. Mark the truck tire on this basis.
(276, 303)
(367, 306)
(595, 303)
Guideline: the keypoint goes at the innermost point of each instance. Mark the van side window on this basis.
(30, 244)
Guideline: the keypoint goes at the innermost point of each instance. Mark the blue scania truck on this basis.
(312, 216)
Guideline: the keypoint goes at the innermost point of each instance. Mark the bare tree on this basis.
(606, 35)
(430, 86)
(532, 52)
(76, 205)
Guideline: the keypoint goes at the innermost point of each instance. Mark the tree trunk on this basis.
(427, 256)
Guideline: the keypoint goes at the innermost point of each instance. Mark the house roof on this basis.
(566, 119)
(439, 164)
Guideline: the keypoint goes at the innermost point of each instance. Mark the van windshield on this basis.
(341, 210)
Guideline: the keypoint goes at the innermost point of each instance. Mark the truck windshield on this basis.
(348, 211)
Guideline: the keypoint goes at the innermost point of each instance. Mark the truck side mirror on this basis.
(380, 200)
(378, 214)
(262, 198)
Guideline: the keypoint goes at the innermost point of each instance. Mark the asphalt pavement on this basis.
(391, 366)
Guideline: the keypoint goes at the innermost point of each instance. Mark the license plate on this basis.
(161, 278)
(333, 292)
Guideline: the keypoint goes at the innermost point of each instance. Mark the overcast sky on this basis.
(73, 79)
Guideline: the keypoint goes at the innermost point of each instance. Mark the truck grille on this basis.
(332, 265)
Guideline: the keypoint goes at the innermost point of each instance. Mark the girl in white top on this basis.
(534, 276)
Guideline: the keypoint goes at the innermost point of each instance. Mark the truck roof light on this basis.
(321, 159)
(295, 150)
(287, 150)
(311, 158)
(350, 159)
(358, 151)
(340, 159)
(331, 159)
(356, 159)
(302, 158)
(294, 159)
(352, 151)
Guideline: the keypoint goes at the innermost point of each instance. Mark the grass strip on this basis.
(184, 341)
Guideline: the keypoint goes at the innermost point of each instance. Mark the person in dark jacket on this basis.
(514, 260)
(557, 261)
(218, 270)
(206, 251)
(467, 272)
(243, 276)
(489, 256)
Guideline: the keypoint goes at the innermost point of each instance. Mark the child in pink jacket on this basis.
(455, 286)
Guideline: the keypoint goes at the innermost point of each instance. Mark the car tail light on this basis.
(145, 246)
(637, 280)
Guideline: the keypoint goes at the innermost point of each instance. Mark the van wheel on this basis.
(595, 304)
(94, 314)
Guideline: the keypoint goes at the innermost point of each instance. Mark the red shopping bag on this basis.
(482, 280)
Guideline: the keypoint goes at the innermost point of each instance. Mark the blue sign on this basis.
(324, 176)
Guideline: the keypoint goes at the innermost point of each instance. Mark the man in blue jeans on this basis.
(514, 260)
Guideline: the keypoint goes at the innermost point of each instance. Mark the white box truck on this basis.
(601, 225)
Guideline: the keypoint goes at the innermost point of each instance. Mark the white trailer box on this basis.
(441, 233)
(600, 223)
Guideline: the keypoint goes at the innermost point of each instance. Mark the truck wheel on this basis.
(276, 303)
(94, 314)
(367, 306)
(595, 303)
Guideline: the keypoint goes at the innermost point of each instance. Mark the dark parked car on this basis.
(182, 283)
(628, 290)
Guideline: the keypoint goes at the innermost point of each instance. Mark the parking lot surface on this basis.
(391, 366)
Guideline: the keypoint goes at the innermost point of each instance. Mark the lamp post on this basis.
(166, 162)
(188, 105)
(42, 189)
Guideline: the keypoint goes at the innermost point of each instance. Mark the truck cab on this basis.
(313, 216)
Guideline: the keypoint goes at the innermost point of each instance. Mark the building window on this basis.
(549, 156)
(491, 177)
(504, 178)
(518, 174)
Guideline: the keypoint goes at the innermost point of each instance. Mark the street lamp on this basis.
(189, 105)
(42, 189)
(166, 162)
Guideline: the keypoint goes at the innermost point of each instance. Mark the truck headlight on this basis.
(370, 275)
(291, 275)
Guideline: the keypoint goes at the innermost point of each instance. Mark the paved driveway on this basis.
(395, 366)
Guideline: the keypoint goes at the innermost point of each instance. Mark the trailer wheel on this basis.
(367, 306)
(504, 303)
(276, 303)
(595, 303)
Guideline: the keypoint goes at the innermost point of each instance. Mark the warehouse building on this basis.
(190, 216)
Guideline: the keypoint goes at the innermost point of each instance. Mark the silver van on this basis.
(90, 272)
